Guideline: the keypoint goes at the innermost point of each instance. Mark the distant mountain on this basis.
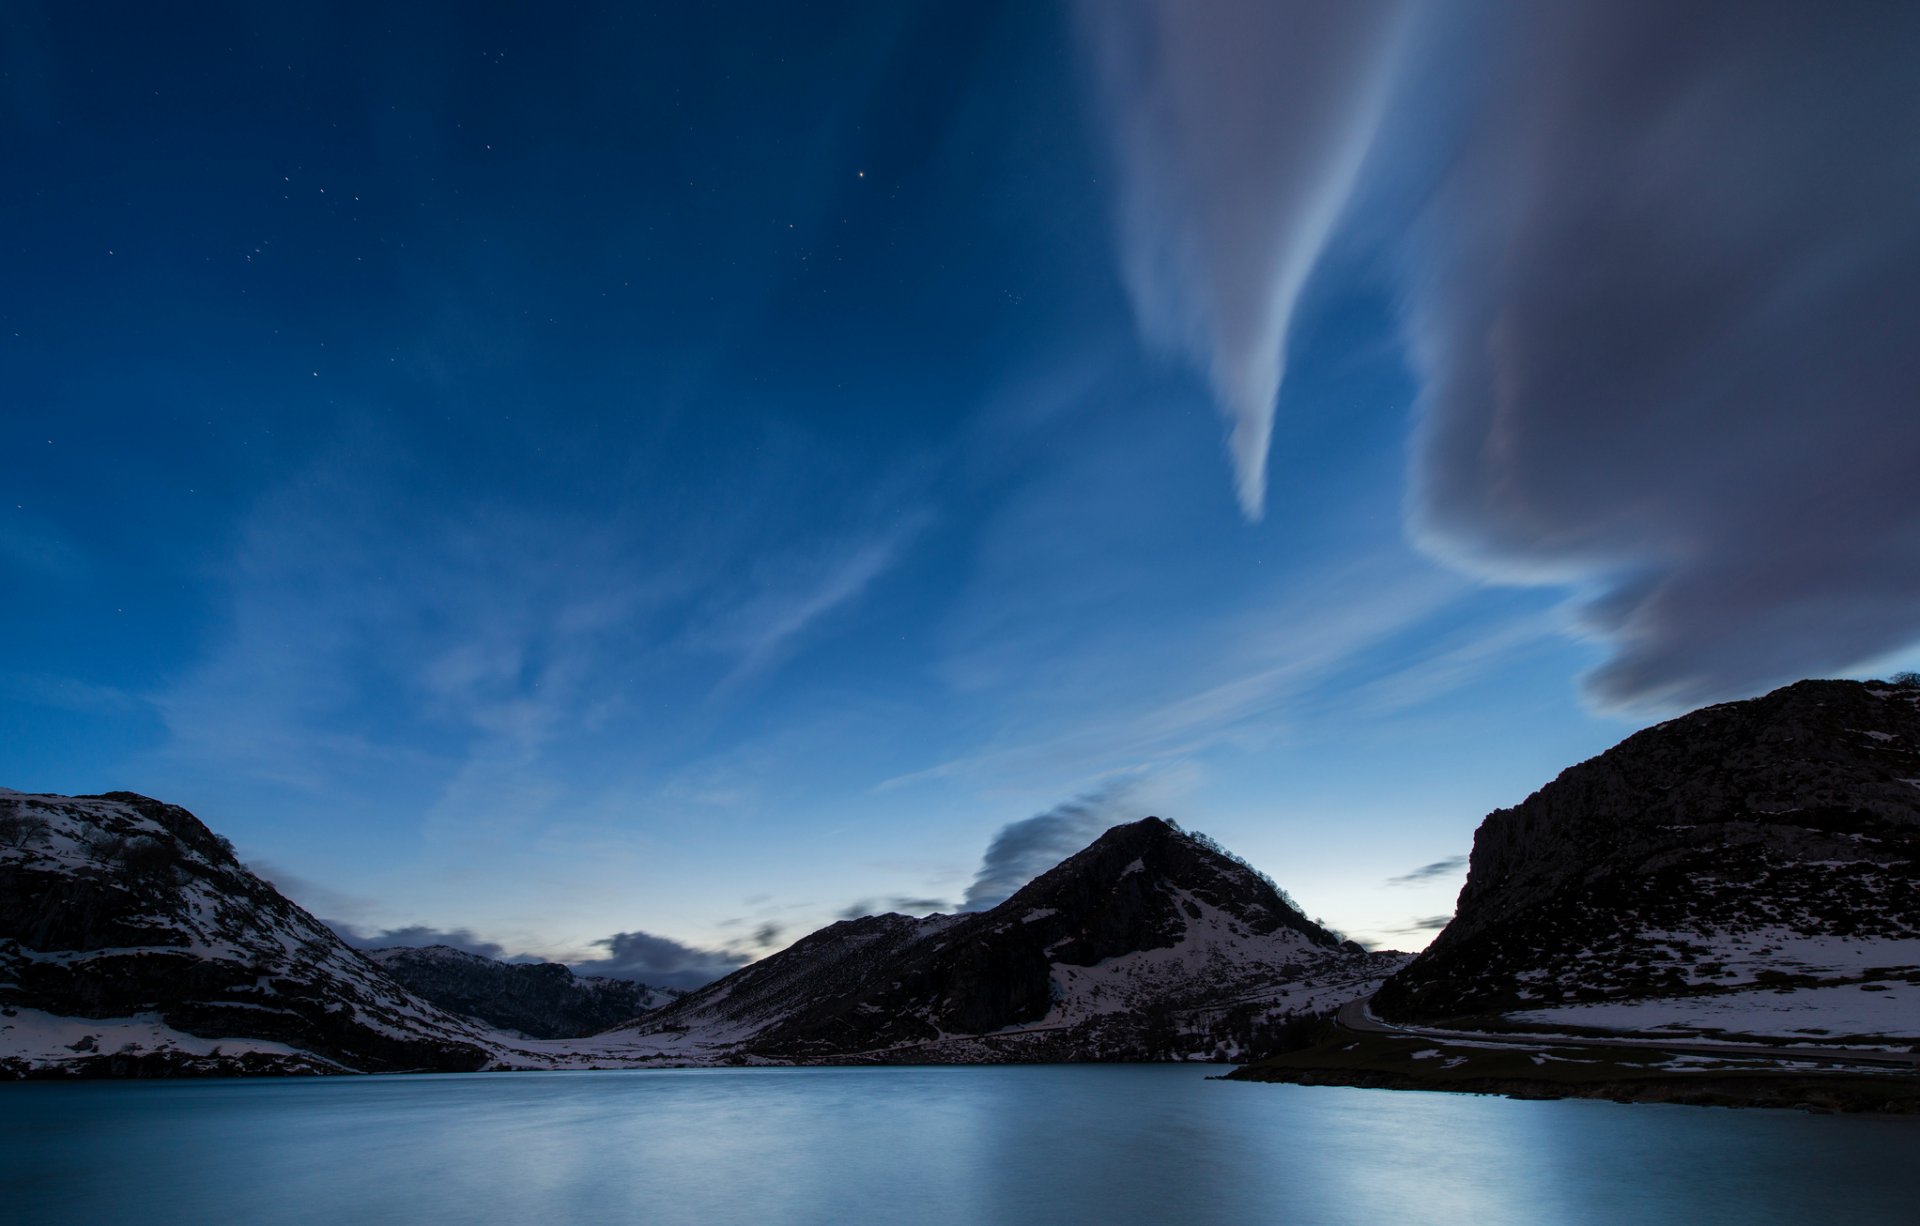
(1151, 943)
(133, 943)
(540, 1000)
(1752, 868)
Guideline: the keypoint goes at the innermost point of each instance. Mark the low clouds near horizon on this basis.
(660, 962)
(1658, 291)
(656, 961)
(417, 936)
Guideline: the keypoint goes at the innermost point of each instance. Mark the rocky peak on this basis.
(1815, 762)
(1775, 821)
(128, 925)
(1147, 939)
(1122, 879)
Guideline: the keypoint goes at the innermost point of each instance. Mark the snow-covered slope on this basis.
(1150, 943)
(132, 942)
(541, 1000)
(1750, 869)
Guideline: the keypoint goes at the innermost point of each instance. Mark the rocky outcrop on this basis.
(1150, 943)
(132, 942)
(1748, 848)
(539, 1000)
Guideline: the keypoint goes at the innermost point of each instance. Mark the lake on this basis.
(994, 1146)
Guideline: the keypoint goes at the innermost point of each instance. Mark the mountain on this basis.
(1750, 869)
(538, 1000)
(1149, 943)
(133, 943)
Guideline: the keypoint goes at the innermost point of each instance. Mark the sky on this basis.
(633, 485)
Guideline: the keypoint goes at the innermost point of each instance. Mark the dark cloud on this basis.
(1025, 849)
(1237, 127)
(1666, 311)
(767, 935)
(1430, 923)
(416, 936)
(660, 961)
(1428, 872)
(905, 906)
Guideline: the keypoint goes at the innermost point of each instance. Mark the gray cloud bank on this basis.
(1661, 288)
(640, 956)
(416, 936)
(1666, 309)
(660, 961)
(1237, 127)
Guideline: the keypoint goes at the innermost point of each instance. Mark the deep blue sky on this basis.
(557, 472)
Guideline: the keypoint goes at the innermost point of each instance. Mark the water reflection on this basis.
(938, 1146)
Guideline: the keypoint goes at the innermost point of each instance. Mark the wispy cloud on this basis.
(68, 693)
(465, 656)
(1237, 128)
(1238, 678)
(790, 595)
(1430, 872)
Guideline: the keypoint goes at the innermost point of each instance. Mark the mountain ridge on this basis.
(134, 943)
(534, 1000)
(1059, 970)
(125, 917)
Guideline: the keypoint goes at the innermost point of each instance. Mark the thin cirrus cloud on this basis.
(761, 628)
(1664, 305)
(1430, 872)
(1237, 128)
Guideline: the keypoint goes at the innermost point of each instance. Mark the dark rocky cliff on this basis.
(1797, 814)
(133, 940)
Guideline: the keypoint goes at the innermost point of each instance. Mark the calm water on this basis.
(987, 1146)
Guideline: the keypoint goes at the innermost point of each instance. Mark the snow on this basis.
(1215, 948)
(1838, 1011)
(1779, 950)
(43, 1038)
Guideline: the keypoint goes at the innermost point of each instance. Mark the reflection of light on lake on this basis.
(1106, 1145)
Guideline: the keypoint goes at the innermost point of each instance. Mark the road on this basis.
(1358, 1017)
